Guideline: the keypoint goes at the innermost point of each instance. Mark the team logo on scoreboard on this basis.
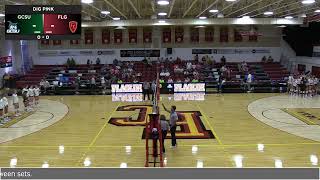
(13, 28)
(73, 26)
(190, 125)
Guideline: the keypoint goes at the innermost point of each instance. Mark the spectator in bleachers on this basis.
(178, 80)
(88, 62)
(270, 59)
(187, 80)
(223, 60)
(115, 62)
(93, 82)
(177, 69)
(170, 80)
(165, 73)
(189, 65)
(264, 59)
(196, 58)
(98, 61)
(77, 84)
(146, 90)
(221, 82)
(195, 80)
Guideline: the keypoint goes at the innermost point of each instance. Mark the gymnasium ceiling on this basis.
(177, 9)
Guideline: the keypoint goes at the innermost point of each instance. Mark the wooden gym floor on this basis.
(67, 131)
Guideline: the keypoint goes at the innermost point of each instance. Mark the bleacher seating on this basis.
(266, 74)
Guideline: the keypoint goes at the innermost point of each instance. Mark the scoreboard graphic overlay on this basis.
(31, 22)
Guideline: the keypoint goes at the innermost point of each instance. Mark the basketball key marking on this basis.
(190, 125)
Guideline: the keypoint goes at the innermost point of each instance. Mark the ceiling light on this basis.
(120, 27)
(202, 17)
(317, 11)
(304, 15)
(214, 10)
(282, 26)
(308, 1)
(87, 1)
(105, 12)
(288, 17)
(245, 17)
(220, 15)
(268, 13)
(116, 18)
(231, 0)
(199, 26)
(2, 15)
(162, 3)
(162, 14)
(162, 21)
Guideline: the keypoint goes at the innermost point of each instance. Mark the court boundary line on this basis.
(97, 135)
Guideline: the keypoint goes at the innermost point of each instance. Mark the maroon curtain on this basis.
(224, 34)
(194, 34)
(237, 36)
(166, 35)
(88, 37)
(74, 41)
(56, 42)
(179, 32)
(209, 34)
(117, 36)
(105, 36)
(133, 35)
(45, 42)
(147, 35)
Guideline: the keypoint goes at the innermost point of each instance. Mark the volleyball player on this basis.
(15, 101)
(36, 95)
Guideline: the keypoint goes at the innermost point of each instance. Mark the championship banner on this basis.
(140, 53)
(166, 35)
(5, 61)
(56, 42)
(45, 42)
(237, 37)
(88, 37)
(194, 35)
(253, 34)
(147, 35)
(179, 32)
(209, 34)
(74, 41)
(105, 36)
(117, 36)
(133, 35)
(224, 34)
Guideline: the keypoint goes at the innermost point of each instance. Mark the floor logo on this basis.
(190, 125)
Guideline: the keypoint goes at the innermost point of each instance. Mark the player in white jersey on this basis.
(36, 95)
(290, 84)
(31, 96)
(6, 107)
(295, 86)
(1, 110)
(15, 102)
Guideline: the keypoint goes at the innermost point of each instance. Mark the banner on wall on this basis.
(147, 35)
(209, 34)
(140, 53)
(75, 53)
(88, 37)
(201, 51)
(166, 35)
(224, 34)
(179, 32)
(241, 51)
(316, 51)
(117, 36)
(194, 35)
(5, 61)
(133, 35)
(105, 36)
